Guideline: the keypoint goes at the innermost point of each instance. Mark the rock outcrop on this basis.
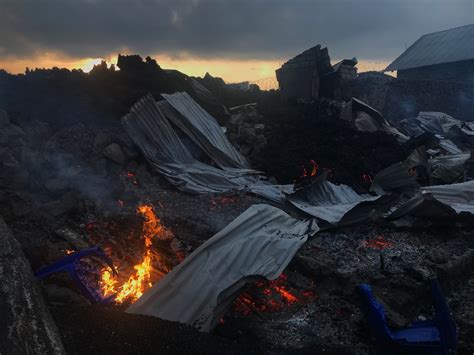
(26, 327)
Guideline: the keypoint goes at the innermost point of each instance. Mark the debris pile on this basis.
(247, 214)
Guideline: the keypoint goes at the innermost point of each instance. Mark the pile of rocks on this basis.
(246, 129)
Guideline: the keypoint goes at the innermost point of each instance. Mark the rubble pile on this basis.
(300, 77)
(398, 99)
(186, 205)
(246, 130)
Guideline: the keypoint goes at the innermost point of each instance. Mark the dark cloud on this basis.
(256, 29)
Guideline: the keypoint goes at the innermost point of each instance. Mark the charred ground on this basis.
(56, 181)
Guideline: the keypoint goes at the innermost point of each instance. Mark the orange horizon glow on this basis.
(231, 70)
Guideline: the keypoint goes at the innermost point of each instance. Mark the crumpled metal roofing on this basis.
(367, 119)
(148, 124)
(259, 243)
(438, 201)
(448, 168)
(447, 46)
(327, 201)
(204, 130)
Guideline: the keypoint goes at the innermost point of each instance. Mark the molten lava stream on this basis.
(144, 274)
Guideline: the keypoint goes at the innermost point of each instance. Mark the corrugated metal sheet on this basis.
(204, 130)
(438, 201)
(327, 201)
(436, 48)
(261, 242)
(148, 124)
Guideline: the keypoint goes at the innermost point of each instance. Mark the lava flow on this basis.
(142, 278)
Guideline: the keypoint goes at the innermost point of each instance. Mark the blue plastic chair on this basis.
(437, 336)
(72, 265)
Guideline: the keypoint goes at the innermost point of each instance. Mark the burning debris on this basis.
(283, 274)
(271, 296)
(144, 273)
(263, 234)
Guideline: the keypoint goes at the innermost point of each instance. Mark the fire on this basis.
(142, 277)
(379, 243)
(271, 296)
(311, 169)
(69, 251)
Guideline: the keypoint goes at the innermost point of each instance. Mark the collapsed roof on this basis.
(259, 243)
(149, 126)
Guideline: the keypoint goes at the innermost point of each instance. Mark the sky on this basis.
(235, 39)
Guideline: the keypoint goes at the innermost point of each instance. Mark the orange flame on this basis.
(314, 169)
(137, 283)
(311, 169)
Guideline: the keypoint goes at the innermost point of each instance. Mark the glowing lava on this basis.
(141, 279)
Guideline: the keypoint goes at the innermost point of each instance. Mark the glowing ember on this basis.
(131, 176)
(367, 178)
(69, 251)
(142, 277)
(310, 169)
(272, 296)
(379, 243)
(222, 200)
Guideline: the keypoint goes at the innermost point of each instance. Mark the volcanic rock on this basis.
(4, 119)
(26, 326)
(259, 128)
(115, 153)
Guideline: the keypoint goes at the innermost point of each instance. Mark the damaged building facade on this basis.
(310, 75)
(444, 55)
(300, 76)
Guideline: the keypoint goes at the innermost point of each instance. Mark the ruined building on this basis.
(300, 76)
(444, 55)
(310, 75)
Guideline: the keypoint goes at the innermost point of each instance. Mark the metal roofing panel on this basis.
(261, 242)
(447, 46)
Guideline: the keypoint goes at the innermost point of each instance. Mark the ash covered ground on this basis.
(72, 178)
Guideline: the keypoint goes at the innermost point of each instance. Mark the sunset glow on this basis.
(231, 70)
